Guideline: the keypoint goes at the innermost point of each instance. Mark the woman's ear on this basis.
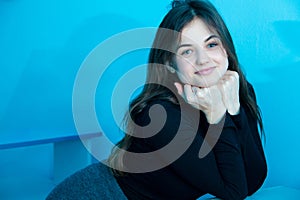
(170, 67)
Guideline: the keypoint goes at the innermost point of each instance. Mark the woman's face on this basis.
(200, 56)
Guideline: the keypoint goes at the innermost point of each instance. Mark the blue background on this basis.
(43, 43)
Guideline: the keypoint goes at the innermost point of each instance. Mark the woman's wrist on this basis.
(234, 110)
(216, 115)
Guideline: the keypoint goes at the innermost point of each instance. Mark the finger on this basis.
(220, 82)
(188, 92)
(232, 73)
(221, 87)
(229, 79)
(198, 92)
(213, 91)
(225, 77)
(200, 97)
(201, 92)
(179, 88)
(224, 83)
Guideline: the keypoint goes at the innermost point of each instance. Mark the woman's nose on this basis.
(202, 57)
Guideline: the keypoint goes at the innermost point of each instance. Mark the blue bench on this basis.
(11, 140)
(69, 153)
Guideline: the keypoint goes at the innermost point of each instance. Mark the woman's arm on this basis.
(221, 172)
(251, 146)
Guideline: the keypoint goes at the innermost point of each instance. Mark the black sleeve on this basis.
(221, 172)
(251, 146)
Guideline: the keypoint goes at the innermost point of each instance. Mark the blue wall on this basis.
(43, 43)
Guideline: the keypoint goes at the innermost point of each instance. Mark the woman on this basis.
(194, 74)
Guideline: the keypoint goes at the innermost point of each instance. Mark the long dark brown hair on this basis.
(162, 54)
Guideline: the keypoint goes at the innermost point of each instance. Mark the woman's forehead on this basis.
(196, 30)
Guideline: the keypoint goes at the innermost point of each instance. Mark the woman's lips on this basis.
(205, 71)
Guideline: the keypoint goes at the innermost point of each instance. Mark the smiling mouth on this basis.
(206, 71)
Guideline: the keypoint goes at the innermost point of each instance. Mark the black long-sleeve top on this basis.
(233, 169)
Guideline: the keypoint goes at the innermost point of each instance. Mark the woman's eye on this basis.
(187, 52)
(211, 45)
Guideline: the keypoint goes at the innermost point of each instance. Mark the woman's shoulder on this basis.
(159, 108)
(173, 112)
(168, 104)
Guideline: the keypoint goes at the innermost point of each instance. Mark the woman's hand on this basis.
(209, 100)
(229, 87)
(216, 99)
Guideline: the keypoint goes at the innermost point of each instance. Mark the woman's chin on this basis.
(206, 84)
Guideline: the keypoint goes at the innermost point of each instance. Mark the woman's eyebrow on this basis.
(210, 37)
(189, 45)
(184, 45)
